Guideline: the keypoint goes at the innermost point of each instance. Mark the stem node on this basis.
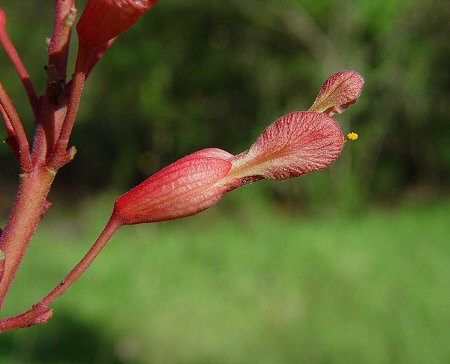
(51, 171)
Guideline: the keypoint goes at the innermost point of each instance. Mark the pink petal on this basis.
(184, 188)
(297, 143)
(338, 92)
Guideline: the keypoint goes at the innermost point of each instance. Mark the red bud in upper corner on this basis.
(184, 188)
(297, 143)
(338, 92)
(103, 20)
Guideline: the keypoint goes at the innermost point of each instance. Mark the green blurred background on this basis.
(346, 265)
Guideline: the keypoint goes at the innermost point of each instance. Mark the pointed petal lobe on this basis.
(338, 92)
(297, 143)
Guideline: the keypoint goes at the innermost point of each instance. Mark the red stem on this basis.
(110, 229)
(9, 128)
(18, 64)
(49, 154)
(40, 312)
(23, 221)
(54, 103)
(58, 50)
(37, 315)
(16, 123)
(11, 140)
(2, 261)
(35, 184)
(59, 155)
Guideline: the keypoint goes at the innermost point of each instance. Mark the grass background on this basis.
(247, 282)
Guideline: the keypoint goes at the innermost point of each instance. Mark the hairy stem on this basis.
(16, 124)
(41, 312)
(54, 103)
(11, 140)
(23, 221)
(58, 51)
(110, 229)
(58, 157)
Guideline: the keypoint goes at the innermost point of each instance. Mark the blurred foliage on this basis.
(212, 73)
(266, 286)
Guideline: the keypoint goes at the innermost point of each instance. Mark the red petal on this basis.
(184, 188)
(297, 143)
(338, 92)
(103, 20)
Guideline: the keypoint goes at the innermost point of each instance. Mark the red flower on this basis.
(186, 187)
(297, 143)
(103, 20)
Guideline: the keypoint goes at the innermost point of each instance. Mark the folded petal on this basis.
(338, 92)
(297, 143)
(184, 188)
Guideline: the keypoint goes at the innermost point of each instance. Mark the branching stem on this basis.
(58, 51)
(59, 154)
(41, 312)
(26, 214)
(110, 229)
(16, 124)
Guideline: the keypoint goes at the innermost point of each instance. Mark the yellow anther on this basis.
(352, 136)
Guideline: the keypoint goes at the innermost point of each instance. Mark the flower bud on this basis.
(103, 20)
(297, 143)
(338, 92)
(184, 188)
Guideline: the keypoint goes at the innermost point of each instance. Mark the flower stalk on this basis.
(26, 214)
(55, 119)
(295, 144)
(15, 129)
(60, 155)
(58, 52)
